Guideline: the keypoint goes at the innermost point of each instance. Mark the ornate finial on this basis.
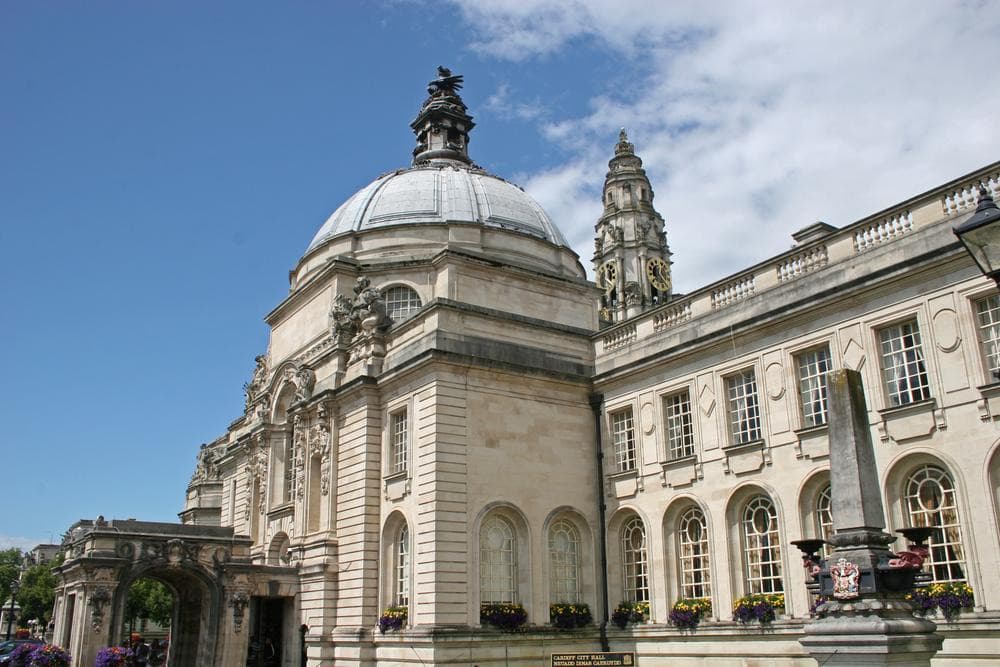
(442, 126)
(624, 145)
(445, 83)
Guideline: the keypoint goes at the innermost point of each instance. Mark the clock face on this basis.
(608, 275)
(659, 274)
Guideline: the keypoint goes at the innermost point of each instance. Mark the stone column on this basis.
(868, 621)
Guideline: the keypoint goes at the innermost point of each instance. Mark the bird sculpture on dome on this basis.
(446, 83)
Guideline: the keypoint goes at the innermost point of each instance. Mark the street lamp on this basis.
(980, 235)
(15, 586)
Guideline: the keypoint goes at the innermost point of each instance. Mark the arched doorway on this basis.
(207, 570)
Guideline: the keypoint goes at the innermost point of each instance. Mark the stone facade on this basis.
(449, 413)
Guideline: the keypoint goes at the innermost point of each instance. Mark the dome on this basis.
(440, 192)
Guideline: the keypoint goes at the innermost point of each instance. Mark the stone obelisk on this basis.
(868, 620)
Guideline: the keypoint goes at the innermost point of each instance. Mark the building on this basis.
(449, 414)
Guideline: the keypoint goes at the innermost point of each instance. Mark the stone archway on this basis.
(207, 568)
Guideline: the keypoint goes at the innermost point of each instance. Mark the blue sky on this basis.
(163, 166)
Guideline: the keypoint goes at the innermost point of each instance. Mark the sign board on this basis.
(593, 659)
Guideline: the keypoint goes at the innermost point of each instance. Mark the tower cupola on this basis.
(631, 256)
(443, 124)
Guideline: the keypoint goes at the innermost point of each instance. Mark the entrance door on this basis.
(267, 618)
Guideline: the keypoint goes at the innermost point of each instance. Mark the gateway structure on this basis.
(450, 415)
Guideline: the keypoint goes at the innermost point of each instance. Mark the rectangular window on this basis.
(680, 432)
(623, 437)
(903, 367)
(813, 367)
(988, 318)
(398, 442)
(744, 408)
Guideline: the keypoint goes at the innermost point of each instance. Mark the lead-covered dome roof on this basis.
(443, 186)
(440, 192)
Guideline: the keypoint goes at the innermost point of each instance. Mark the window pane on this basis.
(623, 437)
(744, 412)
(403, 568)
(497, 561)
(398, 435)
(903, 364)
(930, 501)
(401, 302)
(824, 519)
(564, 562)
(694, 555)
(761, 547)
(813, 367)
(988, 315)
(634, 563)
(680, 433)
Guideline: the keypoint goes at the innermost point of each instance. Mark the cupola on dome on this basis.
(442, 186)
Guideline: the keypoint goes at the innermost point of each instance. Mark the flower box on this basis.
(566, 615)
(761, 608)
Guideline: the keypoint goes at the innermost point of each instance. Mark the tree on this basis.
(10, 567)
(38, 592)
(149, 599)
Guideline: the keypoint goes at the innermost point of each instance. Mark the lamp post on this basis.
(980, 235)
(14, 587)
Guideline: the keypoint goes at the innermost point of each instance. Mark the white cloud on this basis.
(22, 543)
(503, 105)
(757, 119)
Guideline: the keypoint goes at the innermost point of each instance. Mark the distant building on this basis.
(449, 415)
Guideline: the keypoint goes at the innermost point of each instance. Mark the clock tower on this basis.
(631, 256)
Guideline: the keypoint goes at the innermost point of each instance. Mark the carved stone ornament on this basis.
(299, 438)
(262, 463)
(255, 387)
(206, 469)
(238, 601)
(632, 295)
(846, 580)
(305, 380)
(366, 313)
(320, 446)
(97, 601)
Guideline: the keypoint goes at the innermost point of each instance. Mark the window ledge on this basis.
(397, 485)
(909, 408)
(749, 445)
(624, 484)
(286, 507)
(813, 442)
(680, 471)
(680, 461)
(808, 431)
(746, 457)
(911, 421)
(989, 389)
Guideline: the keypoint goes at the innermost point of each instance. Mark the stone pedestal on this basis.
(872, 637)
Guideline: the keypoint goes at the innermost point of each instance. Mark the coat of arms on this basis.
(846, 577)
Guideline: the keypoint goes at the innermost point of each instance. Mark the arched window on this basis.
(401, 302)
(761, 546)
(823, 518)
(930, 501)
(497, 561)
(692, 533)
(564, 561)
(401, 589)
(635, 565)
